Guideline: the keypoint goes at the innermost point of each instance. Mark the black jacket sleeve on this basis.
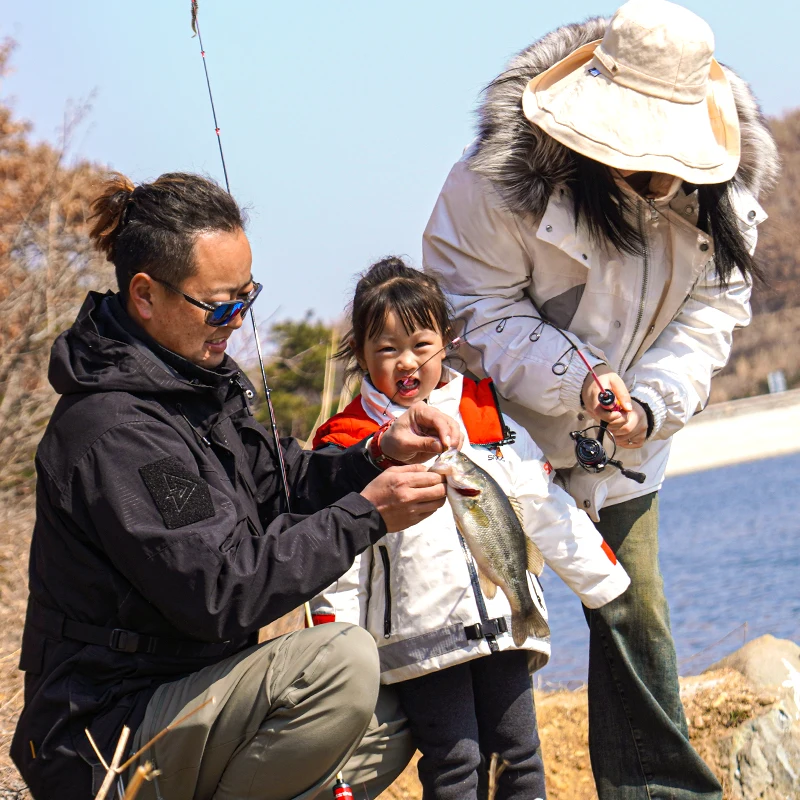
(316, 478)
(212, 571)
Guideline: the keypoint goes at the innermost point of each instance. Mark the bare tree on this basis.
(46, 267)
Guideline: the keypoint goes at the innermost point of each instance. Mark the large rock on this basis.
(760, 759)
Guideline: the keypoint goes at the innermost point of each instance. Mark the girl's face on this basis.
(395, 354)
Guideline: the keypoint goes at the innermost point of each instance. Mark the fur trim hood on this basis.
(526, 164)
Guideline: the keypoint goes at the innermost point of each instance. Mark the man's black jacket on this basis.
(159, 511)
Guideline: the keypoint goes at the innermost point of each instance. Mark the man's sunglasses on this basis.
(218, 313)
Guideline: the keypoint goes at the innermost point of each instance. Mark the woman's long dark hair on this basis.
(602, 206)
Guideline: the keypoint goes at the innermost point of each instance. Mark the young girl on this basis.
(464, 684)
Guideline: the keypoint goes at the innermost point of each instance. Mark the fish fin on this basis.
(534, 557)
(479, 516)
(488, 586)
(534, 624)
(516, 507)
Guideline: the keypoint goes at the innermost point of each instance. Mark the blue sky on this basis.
(340, 120)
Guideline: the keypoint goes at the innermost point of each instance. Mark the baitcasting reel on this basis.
(589, 451)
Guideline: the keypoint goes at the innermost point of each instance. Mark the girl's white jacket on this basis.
(415, 590)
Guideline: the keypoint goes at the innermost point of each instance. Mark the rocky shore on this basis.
(743, 713)
(744, 719)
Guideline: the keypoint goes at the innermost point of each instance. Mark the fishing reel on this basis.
(589, 450)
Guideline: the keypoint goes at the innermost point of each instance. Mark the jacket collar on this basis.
(105, 351)
(557, 225)
(446, 397)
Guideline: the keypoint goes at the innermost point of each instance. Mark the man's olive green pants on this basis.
(287, 716)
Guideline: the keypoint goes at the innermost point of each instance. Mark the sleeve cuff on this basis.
(608, 589)
(363, 468)
(573, 379)
(359, 507)
(654, 401)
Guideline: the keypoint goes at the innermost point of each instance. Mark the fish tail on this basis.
(525, 625)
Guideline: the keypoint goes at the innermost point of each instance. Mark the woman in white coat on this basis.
(612, 191)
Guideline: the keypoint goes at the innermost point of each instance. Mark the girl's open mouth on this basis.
(407, 386)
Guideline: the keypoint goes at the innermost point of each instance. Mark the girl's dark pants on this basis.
(638, 737)
(459, 716)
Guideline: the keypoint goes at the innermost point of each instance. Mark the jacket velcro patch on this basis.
(181, 496)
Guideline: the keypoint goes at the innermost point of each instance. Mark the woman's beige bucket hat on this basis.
(648, 97)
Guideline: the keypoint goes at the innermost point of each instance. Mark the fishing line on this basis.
(558, 368)
(589, 451)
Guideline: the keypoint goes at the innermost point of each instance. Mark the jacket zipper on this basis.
(645, 280)
(196, 432)
(476, 590)
(387, 592)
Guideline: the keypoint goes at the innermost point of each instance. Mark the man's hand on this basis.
(420, 433)
(405, 495)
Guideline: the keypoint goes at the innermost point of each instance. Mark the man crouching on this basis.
(161, 545)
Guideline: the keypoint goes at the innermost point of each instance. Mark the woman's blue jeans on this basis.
(638, 737)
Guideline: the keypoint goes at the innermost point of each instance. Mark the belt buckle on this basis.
(123, 641)
(474, 631)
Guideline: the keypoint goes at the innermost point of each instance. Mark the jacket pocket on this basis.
(387, 591)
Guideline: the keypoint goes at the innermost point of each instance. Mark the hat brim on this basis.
(627, 129)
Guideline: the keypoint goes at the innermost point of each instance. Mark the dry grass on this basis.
(715, 703)
(16, 522)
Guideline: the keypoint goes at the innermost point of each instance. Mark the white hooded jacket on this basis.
(416, 591)
(502, 239)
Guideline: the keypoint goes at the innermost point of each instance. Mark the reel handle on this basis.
(639, 477)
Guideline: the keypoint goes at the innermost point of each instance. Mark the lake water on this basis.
(730, 554)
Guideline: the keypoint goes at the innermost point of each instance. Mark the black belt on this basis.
(55, 625)
(492, 627)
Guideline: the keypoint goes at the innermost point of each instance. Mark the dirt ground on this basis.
(715, 702)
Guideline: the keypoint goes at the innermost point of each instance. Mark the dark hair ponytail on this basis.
(152, 227)
(108, 209)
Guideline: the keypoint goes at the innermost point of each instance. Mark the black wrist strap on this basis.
(651, 422)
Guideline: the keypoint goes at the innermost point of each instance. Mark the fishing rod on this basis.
(589, 451)
(341, 789)
(267, 391)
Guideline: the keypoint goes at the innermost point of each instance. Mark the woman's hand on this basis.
(591, 391)
(629, 425)
(420, 433)
(632, 432)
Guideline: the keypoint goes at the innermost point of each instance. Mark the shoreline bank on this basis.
(738, 431)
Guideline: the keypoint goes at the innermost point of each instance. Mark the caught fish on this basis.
(490, 523)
